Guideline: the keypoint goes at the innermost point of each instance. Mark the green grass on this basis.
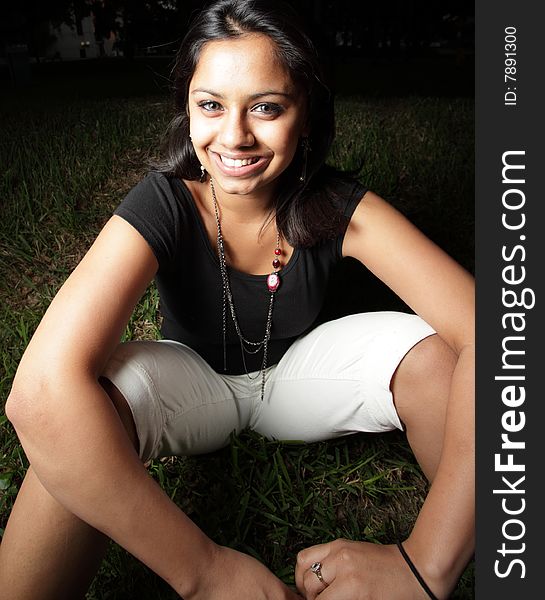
(64, 168)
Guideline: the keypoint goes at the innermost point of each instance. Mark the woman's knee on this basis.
(431, 359)
(123, 410)
(422, 380)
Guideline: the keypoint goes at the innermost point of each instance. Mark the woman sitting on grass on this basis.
(241, 225)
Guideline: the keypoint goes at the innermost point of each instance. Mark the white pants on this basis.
(331, 382)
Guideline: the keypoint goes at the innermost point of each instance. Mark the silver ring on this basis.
(316, 568)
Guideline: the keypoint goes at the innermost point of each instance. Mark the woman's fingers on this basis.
(325, 555)
(313, 584)
(354, 571)
(238, 576)
(305, 559)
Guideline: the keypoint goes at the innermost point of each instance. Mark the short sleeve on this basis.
(351, 192)
(153, 209)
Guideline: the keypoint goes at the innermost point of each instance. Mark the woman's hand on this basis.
(237, 576)
(356, 571)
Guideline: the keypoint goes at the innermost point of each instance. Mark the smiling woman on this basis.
(241, 225)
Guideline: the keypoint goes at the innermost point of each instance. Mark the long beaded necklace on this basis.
(273, 283)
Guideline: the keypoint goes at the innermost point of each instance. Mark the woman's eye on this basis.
(268, 108)
(210, 105)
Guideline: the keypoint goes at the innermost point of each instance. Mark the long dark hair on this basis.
(305, 212)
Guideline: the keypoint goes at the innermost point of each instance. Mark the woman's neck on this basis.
(244, 209)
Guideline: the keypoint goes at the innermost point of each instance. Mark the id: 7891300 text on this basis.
(510, 68)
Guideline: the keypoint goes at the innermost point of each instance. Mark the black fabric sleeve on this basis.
(351, 192)
(153, 210)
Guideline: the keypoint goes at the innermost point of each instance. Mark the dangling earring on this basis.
(306, 148)
(202, 178)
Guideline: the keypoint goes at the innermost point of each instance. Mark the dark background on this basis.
(428, 45)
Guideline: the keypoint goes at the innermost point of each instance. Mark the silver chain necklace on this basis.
(273, 282)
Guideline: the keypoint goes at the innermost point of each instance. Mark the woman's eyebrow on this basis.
(272, 93)
(209, 92)
(255, 96)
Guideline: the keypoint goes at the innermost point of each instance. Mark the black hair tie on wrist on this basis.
(415, 572)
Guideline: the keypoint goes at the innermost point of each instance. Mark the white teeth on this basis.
(232, 162)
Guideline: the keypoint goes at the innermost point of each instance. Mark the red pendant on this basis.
(273, 282)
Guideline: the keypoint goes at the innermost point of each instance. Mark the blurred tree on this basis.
(148, 25)
(27, 22)
(391, 27)
(106, 20)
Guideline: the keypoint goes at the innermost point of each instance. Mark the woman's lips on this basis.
(239, 167)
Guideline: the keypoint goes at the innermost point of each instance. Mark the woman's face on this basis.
(246, 114)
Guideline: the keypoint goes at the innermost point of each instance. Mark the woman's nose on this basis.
(235, 131)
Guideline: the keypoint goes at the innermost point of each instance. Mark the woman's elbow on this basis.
(27, 404)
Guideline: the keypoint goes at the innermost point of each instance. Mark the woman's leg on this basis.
(369, 372)
(47, 553)
(86, 461)
(420, 387)
(180, 406)
(337, 379)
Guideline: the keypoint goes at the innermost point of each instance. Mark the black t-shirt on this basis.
(163, 211)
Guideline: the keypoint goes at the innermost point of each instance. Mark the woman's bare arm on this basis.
(68, 426)
(442, 540)
(77, 444)
(442, 293)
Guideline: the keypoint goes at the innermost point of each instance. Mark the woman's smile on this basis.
(238, 166)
